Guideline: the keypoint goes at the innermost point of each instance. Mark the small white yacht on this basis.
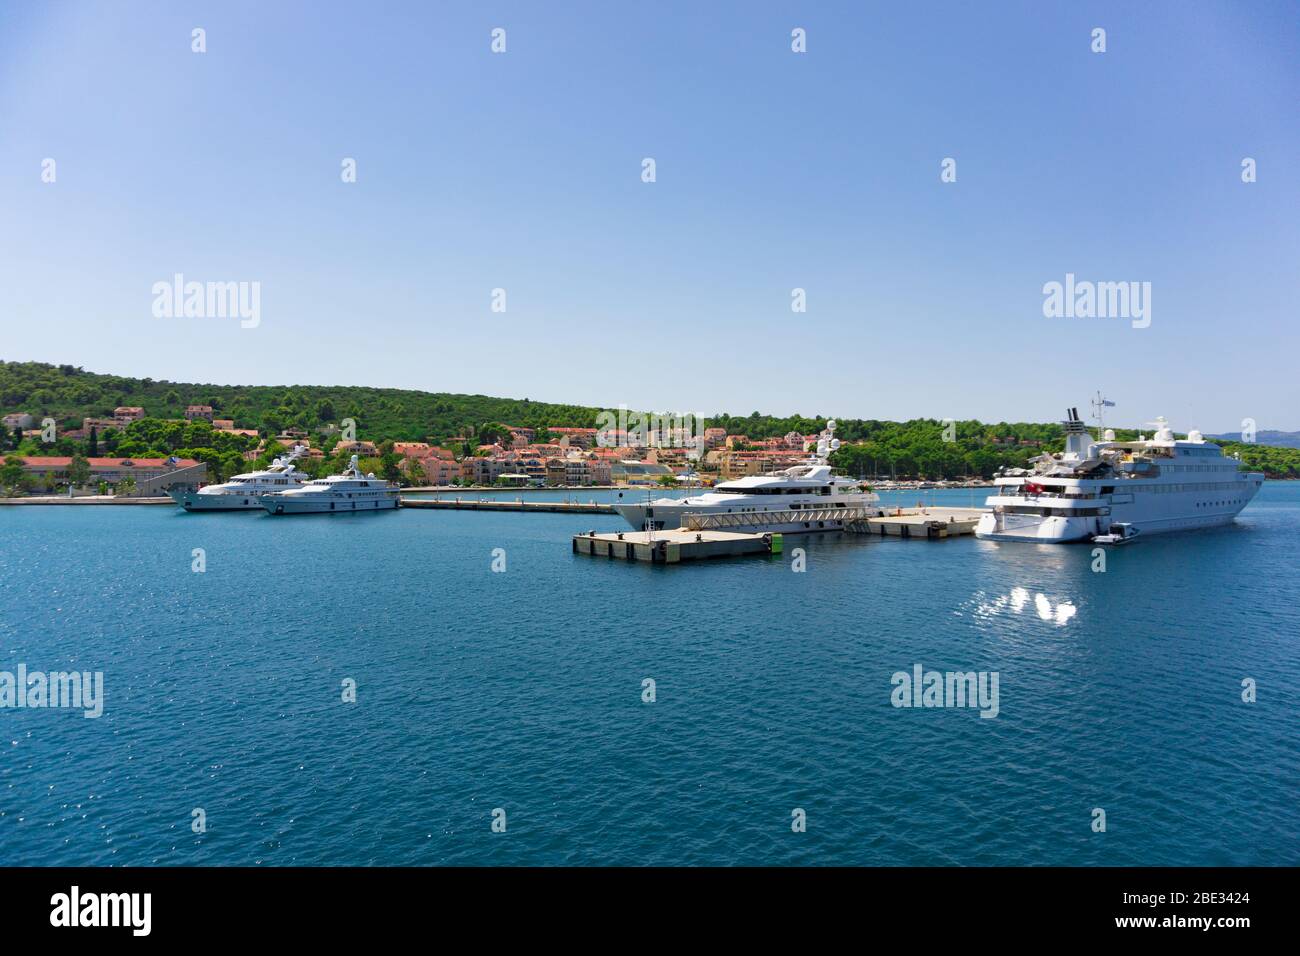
(242, 492)
(799, 499)
(347, 493)
(1115, 490)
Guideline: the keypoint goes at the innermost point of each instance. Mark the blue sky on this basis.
(775, 170)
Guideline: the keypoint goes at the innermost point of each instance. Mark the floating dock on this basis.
(695, 543)
(936, 522)
(673, 547)
(486, 504)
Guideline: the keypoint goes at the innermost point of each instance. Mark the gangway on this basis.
(814, 519)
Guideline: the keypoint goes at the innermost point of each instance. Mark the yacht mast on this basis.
(1099, 404)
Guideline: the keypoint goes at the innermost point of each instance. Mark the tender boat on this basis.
(1121, 532)
(346, 493)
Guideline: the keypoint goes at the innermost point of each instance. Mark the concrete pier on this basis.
(86, 500)
(691, 544)
(935, 522)
(497, 504)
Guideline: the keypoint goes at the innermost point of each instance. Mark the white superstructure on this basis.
(242, 492)
(347, 493)
(1153, 485)
(809, 488)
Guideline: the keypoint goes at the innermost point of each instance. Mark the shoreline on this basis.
(84, 500)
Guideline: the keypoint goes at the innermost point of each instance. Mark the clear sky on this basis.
(775, 170)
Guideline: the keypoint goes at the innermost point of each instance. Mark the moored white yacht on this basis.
(347, 493)
(1114, 488)
(242, 492)
(777, 502)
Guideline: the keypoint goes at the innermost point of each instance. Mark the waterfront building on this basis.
(569, 472)
(577, 437)
(437, 470)
(50, 472)
(530, 465)
(545, 451)
(742, 464)
(637, 473)
(412, 449)
(598, 471)
(481, 470)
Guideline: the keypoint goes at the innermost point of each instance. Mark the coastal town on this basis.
(516, 456)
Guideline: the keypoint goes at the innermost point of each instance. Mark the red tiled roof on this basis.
(38, 461)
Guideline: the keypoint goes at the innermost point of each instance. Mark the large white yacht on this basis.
(777, 502)
(241, 493)
(347, 493)
(1111, 488)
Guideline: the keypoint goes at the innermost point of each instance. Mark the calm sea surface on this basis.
(522, 690)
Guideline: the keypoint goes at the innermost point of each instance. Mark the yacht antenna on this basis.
(1099, 404)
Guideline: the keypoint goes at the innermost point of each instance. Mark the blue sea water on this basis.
(522, 690)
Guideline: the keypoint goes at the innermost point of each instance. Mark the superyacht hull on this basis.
(193, 501)
(303, 505)
(1174, 512)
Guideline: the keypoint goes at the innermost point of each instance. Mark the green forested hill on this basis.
(68, 394)
(910, 448)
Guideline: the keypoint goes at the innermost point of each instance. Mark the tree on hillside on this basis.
(389, 465)
(78, 472)
(12, 477)
(415, 472)
(493, 433)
